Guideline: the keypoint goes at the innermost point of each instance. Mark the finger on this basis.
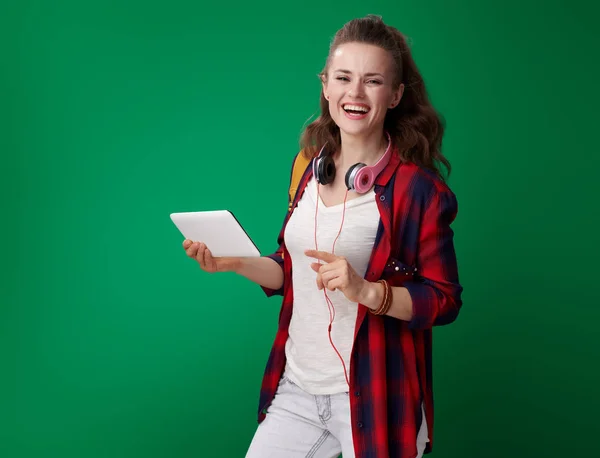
(200, 254)
(336, 283)
(208, 258)
(328, 276)
(320, 285)
(321, 268)
(192, 250)
(322, 255)
(187, 243)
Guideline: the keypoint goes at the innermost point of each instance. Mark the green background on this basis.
(115, 114)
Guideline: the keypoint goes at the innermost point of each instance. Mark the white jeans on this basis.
(302, 425)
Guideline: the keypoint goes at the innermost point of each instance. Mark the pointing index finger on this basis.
(322, 255)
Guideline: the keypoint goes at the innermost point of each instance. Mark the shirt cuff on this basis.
(424, 299)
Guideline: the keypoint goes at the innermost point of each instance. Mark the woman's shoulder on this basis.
(423, 186)
(423, 177)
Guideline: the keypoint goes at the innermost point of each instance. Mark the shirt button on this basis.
(382, 198)
(357, 393)
(359, 424)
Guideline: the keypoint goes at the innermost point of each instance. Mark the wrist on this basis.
(373, 293)
(234, 265)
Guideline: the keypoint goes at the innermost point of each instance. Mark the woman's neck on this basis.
(365, 149)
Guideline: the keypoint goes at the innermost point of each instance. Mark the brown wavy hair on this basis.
(414, 125)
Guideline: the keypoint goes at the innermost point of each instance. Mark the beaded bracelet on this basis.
(386, 303)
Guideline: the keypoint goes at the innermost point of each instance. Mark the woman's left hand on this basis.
(337, 273)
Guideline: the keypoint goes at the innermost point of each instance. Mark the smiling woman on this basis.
(350, 368)
(390, 276)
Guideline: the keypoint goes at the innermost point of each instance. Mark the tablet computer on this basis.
(219, 230)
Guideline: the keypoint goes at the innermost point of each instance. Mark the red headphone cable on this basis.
(330, 305)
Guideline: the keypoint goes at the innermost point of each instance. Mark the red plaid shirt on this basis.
(391, 362)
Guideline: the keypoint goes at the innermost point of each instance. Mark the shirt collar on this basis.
(384, 177)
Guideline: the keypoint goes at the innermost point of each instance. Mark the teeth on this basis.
(355, 108)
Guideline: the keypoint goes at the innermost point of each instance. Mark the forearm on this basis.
(401, 306)
(421, 305)
(263, 271)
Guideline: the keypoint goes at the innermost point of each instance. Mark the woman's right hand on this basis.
(261, 270)
(200, 252)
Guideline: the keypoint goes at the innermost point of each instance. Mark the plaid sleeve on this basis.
(278, 258)
(436, 292)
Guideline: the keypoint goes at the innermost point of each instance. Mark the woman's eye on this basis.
(345, 78)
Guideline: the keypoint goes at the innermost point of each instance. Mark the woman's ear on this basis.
(397, 96)
(324, 86)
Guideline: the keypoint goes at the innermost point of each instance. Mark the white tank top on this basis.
(312, 362)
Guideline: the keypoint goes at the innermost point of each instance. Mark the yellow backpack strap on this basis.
(298, 169)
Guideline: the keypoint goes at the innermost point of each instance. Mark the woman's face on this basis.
(359, 88)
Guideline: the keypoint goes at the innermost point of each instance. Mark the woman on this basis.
(366, 267)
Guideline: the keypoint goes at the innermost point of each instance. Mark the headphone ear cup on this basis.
(351, 175)
(364, 179)
(315, 168)
(325, 170)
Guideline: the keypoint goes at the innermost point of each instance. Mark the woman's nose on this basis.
(357, 90)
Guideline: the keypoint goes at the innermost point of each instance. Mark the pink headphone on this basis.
(360, 177)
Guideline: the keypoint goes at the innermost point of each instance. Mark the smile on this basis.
(356, 111)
